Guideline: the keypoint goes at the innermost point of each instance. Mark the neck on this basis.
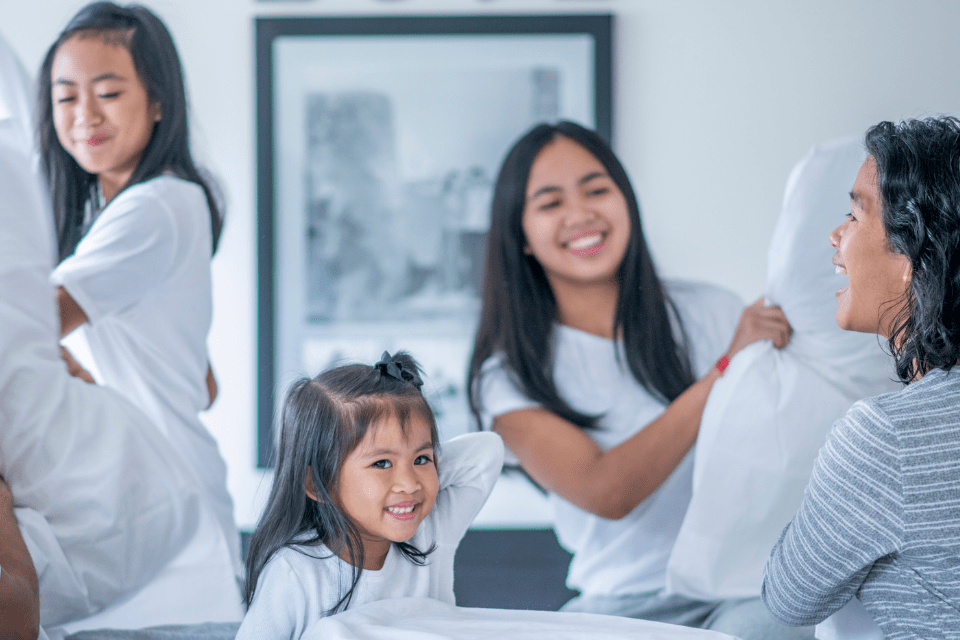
(587, 308)
(374, 554)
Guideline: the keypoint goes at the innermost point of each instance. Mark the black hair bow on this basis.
(394, 367)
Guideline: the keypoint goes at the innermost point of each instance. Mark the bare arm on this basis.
(71, 315)
(19, 590)
(563, 459)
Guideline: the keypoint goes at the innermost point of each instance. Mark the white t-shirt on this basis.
(299, 584)
(626, 556)
(142, 276)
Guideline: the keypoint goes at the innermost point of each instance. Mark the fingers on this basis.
(759, 322)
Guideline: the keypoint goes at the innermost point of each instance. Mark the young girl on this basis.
(365, 505)
(136, 226)
(595, 372)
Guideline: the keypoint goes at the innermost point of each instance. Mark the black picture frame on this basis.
(275, 33)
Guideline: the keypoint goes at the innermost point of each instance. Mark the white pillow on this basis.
(767, 418)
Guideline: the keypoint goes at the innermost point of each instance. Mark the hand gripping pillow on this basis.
(767, 418)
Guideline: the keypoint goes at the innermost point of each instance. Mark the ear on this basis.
(527, 250)
(308, 486)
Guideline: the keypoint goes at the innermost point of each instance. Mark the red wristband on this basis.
(722, 364)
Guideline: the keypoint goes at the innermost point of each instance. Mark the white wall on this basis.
(715, 102)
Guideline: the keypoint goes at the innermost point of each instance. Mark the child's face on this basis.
(101, 110)
(388, 485)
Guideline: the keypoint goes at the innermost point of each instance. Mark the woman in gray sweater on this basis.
(881, 516)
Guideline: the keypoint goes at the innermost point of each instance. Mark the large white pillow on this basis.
(767, 418)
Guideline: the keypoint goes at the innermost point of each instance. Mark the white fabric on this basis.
(626, 556)
(299, 584)
(851, 622)
(767, 418)
(424, 619)
(142, 276)
(104, 502)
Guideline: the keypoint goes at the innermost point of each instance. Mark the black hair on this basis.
(322, 422)
(918, 176)
(158, 67)
(518, 307)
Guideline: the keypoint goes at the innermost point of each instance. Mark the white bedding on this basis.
(426, 619)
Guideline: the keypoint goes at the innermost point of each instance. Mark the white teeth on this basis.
(841, 270)
(399, 511)
(585, 242)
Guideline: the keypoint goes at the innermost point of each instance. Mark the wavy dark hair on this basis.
(518, 307)
(918, 175)
(168, 151)
(322, 421)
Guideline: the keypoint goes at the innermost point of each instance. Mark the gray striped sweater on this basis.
(880, 518)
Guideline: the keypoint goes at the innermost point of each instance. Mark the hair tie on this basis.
(393, 367)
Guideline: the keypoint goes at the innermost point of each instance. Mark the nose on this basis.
(835, 237)
(579, 211)
(406, 480)
(89, 110)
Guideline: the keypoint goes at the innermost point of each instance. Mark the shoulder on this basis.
(709, 315)
(702, 298)
(165, 194)
(925, 409)
(498, 391)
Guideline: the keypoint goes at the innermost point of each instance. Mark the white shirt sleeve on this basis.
(129, 250)
(468, 466)
(279, 607)
(499, 394)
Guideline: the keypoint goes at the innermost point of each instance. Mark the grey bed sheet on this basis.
(205, 631)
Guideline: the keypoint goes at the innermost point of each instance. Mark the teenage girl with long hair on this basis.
(136, 226)
(595, 372)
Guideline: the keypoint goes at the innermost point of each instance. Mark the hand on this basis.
(6, 497)
(74, 368)
(759, 322)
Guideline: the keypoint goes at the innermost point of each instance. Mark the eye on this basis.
(108, 96)
(64, 99)
(550, 204)
(423, 459)
(382, 464)
(851, 217)
(599, 191)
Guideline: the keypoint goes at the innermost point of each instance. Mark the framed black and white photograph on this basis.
(379, 140)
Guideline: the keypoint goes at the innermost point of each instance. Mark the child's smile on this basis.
(388, 485)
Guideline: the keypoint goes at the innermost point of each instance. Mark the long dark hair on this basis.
(918, 174)
(158, 67)
(519, 309)
(322, 421)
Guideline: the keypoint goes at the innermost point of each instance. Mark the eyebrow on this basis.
(102, 77)
(384, 451)
(553, 188)
(856, 199)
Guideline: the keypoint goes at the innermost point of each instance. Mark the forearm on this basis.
(850, 517)
(626, 475)
(19, 590)
(563, 459)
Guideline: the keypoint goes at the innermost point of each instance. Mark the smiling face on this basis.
(101, 110)
(388, 485)
(878, 277)
(576, 221)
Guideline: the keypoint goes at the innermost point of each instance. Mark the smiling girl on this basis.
(136, 227)
(595, 372)
(365, 504)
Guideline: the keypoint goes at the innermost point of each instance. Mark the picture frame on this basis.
(378, 142)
